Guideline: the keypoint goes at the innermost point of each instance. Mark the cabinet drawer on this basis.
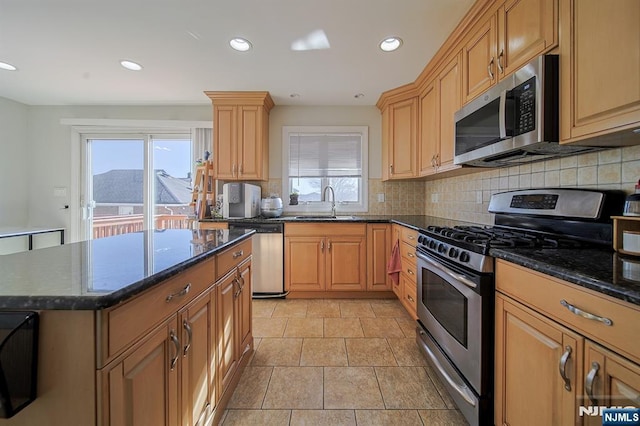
(127, 322)
(409, 236)
(408, 254)
(409, 271)
(324, 229)
(544, 294)
(409, 295)
(229, 258)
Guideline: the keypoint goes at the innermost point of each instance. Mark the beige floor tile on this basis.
(294, 308)
(269, 327)
(356, 308)
(388, 418)
(369, 352)
(407, 325)
(388, 308)
(263, 308)
(381, 327)
(323, 417)
(351, 388)
(257, 417)
(278, 351)
(342, 327)
(251, 388)
(406, 352)
(304, 327)
(408, 388)
(323, 308)
(294, 387)
(442, 418)
(444, 394)
(326, 352)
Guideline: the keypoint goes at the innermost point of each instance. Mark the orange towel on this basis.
(394, 266)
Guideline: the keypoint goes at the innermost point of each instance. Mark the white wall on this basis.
(324, 116)
(15, 164)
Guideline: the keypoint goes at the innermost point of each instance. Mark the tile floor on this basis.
(337, 362)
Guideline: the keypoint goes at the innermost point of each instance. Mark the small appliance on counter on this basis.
(271, 207)
(240, 200)
(632, 203)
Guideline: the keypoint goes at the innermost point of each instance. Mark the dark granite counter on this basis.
(100, 273)
(601, 270)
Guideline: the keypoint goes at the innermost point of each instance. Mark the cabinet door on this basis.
(450, 101)
(225, 141)
(385, 144)
(609, 380)
(378, 253)
(479, 66)
(143, 388)
(600, 71)
(346, 260)
(250, 143)
(304, 263)
(198, 371)
(526, 28)
(243, 301)
(429, 147)
(408, 294)
(227, 333)
(403, 137)
(531, 354)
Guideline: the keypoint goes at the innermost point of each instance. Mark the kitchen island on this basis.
(151, 327)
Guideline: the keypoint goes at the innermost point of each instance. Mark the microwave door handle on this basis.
(502, 115)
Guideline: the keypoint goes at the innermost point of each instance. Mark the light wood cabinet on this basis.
(226, 338)
(399, 110)
(429, 141)
(323, 257)
(378, 253)
(479, 60)
(406, 288)
(142, 389)
(244, 312)
(241, 135)
(551, 362)
(599, 68)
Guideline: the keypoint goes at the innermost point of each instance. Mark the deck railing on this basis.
(106, 226)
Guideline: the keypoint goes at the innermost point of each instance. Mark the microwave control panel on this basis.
(525, 105)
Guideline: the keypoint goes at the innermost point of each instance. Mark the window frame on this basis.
(325, 207)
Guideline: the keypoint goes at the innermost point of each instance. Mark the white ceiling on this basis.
(68, 51)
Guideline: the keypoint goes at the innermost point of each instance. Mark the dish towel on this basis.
(394, 266)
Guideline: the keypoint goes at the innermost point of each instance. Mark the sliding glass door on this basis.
(135, 182)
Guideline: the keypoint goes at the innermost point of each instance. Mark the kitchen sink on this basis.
(325, 217)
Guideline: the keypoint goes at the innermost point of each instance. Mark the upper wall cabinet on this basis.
(399, 134)
(599, 68)
(241, 135)
(505, 40)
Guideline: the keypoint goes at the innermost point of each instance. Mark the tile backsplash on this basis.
(467, 197)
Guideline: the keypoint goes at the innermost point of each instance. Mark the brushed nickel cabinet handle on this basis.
(563, 367)
(238, 254)
(240, 169)
(322, 245)
(181, 293)
(176, 343)
(491, 76)
(236, 283)
(500, 67)
(240, 278)
(411, 298)
(187, 327)
(411, 255)
(585, 314)
(588, 384)
(329, 245)
(390, 169)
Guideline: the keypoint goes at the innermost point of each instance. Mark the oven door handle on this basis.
(458, 277)
(463, 390)
(502, 118)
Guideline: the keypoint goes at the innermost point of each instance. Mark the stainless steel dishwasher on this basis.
(267, 257)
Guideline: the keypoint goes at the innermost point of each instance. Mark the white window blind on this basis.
(325, 155)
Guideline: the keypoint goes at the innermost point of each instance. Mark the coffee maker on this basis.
(240, 200)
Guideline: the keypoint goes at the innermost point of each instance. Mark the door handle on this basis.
(491, 76)
(585, 314)
(176, 343)
(563, 367)
(500, 68)
(180, 293)
(187, 327)
(588, 384)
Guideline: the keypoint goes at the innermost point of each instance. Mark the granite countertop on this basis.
(601, 270)
(100, 273)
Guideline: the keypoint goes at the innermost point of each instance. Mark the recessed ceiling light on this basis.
(358, 95)
(390, 44)
(240, 44)
(130, 65)
(6, 66)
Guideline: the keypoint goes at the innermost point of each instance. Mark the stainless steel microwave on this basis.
(514, 122)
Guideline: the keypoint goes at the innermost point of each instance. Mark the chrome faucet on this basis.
(333, 198)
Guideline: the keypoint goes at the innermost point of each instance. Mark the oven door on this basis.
(450, 308)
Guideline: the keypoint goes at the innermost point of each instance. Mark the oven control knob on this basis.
(453, 252)
(421, 239)
(464, 256)
(442, 248)
(432, 244)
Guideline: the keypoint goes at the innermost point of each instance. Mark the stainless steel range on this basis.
(456, 281)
